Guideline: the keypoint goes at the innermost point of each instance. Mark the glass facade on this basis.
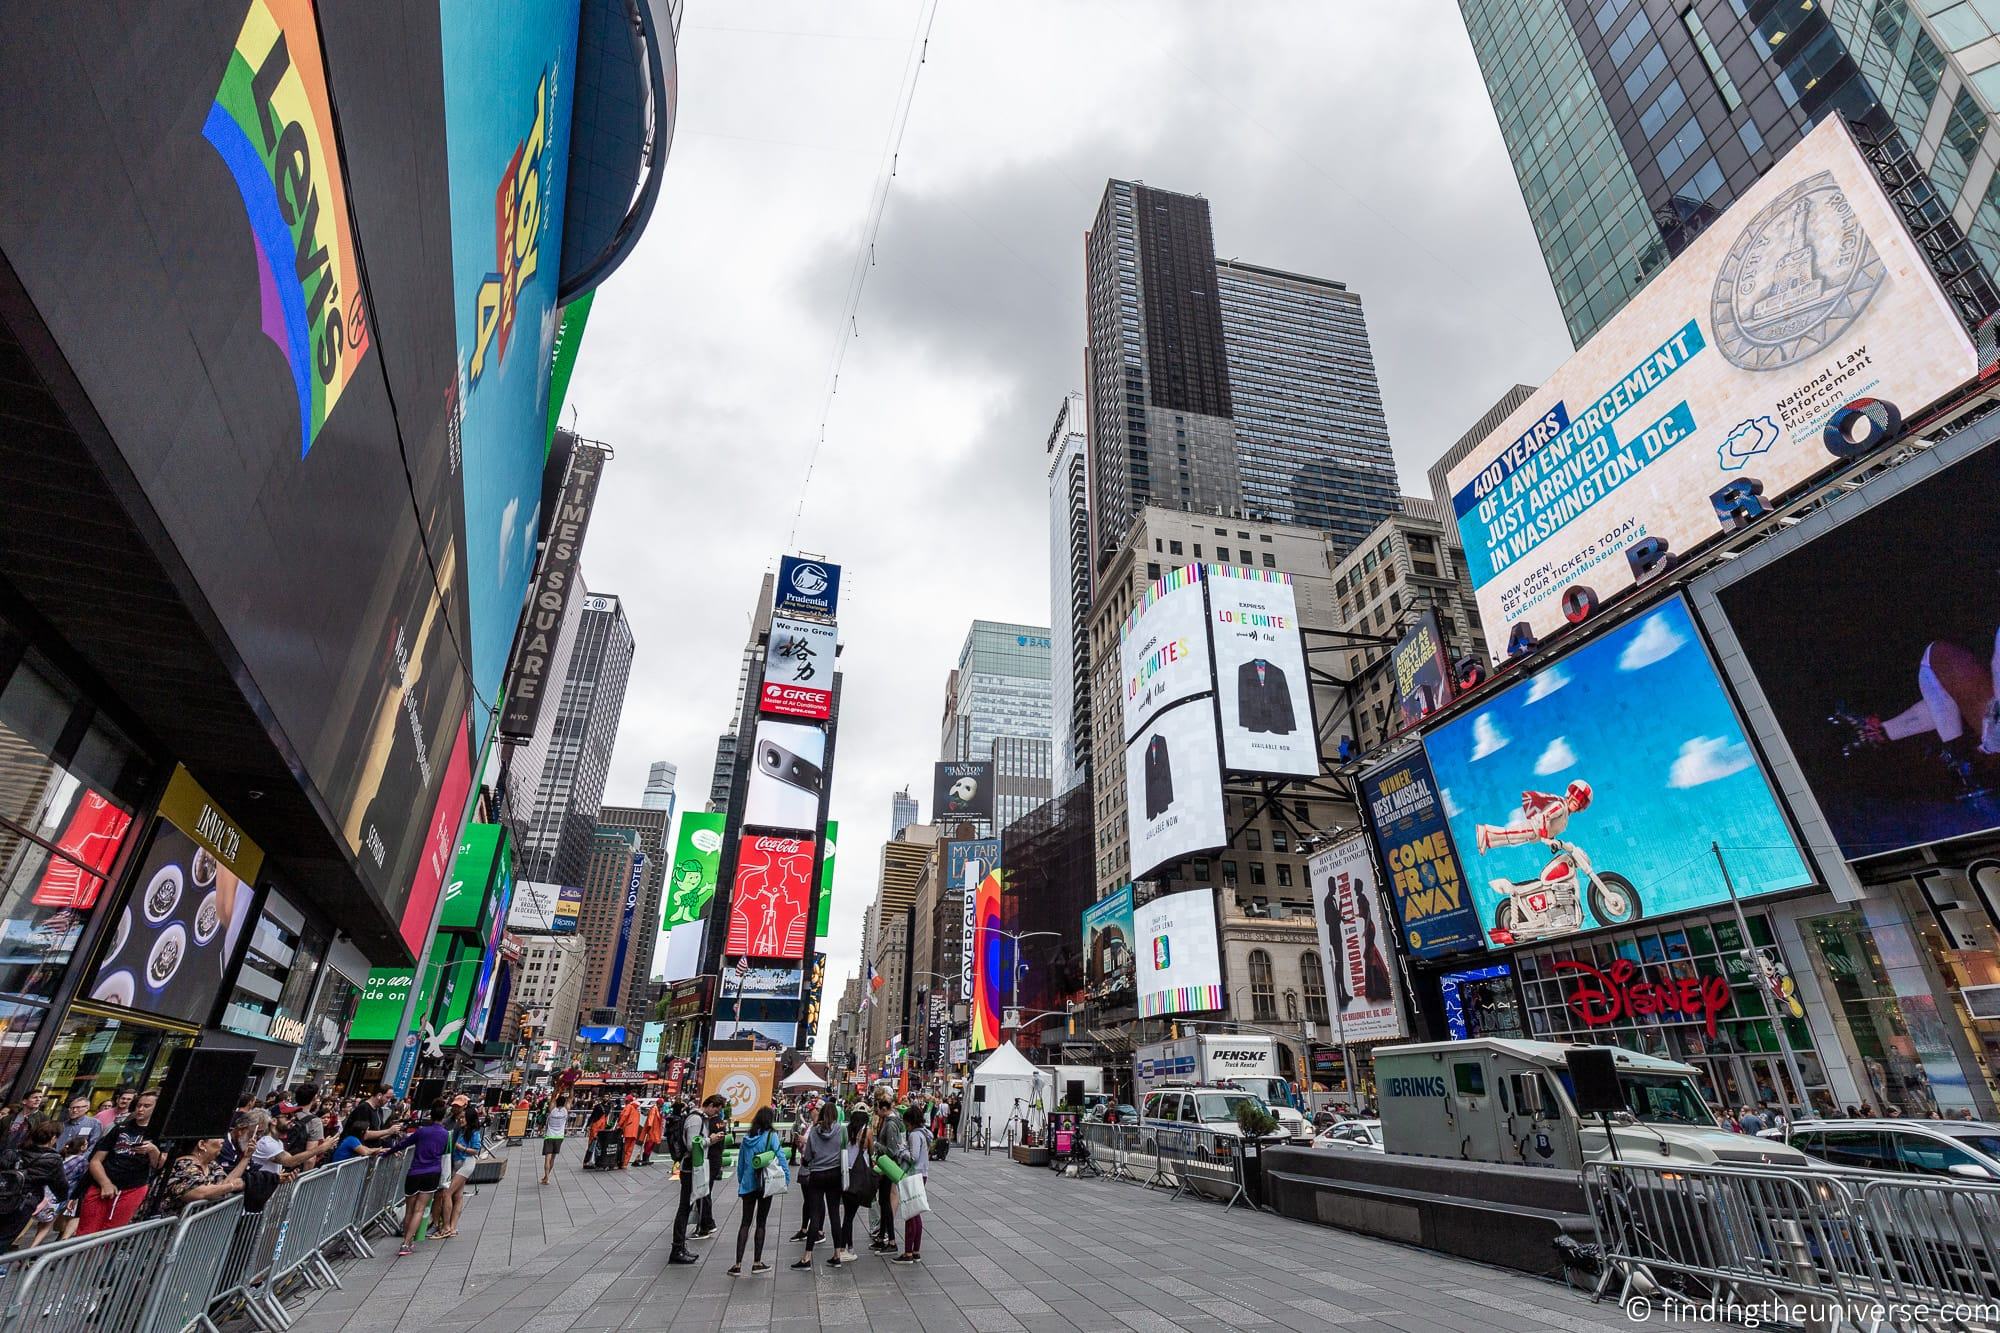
(1630, 130)
(1312, 443)
(1583, 196)
(1002, 689)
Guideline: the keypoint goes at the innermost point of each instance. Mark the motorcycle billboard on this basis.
(1587, 795)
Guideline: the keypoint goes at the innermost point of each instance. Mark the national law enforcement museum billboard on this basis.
(1710, 393)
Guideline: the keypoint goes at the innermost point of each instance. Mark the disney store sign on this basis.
(1601, 998)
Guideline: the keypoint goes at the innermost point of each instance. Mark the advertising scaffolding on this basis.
(1710, 394)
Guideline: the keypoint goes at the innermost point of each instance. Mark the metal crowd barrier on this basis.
(1887, 1253)
(1185, 1159)
(212, 1263)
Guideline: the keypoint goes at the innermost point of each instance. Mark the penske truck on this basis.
(1246, 1063)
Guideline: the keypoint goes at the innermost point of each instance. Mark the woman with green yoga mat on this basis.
(761, 1174)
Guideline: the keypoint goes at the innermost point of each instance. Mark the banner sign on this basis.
(1710, 394)
(697, 861)
(569, 906)
(535, 650)
(770, 904)
(962, 789)
(745, 1080)
(649, 1047)
(1107, 946)
(1423, 676)
(811, 587)
(1355, 942)
(1400, 799)
(798, 669)
(828, 847)
(638, 877)
(1260, 673)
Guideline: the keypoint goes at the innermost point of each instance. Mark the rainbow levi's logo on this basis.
(272, 124)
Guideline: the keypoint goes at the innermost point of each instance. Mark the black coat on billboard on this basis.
(1264, 699)
(1159, 778)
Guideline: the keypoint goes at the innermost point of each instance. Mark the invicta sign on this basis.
(273, 126)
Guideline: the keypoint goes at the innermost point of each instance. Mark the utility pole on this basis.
(1755, 957)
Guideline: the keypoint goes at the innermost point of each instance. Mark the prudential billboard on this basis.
(1710, 393)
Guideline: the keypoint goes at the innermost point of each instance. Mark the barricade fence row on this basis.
(214, 1262)
(1887, 1253)
(1188, 1160)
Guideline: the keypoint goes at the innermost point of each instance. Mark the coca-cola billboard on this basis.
(771, 901)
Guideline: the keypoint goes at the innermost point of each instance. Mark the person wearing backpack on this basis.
(25, 1172)
(761, 1175)
(888, 1142)
(687, 1139)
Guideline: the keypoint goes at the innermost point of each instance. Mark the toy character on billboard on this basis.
(1954, 688)
(1551, 904)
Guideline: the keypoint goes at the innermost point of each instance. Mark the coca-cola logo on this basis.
(1600, 998)
(783, 846)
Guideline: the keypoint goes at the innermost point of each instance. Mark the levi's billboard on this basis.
(1710, 394)
(798, 669)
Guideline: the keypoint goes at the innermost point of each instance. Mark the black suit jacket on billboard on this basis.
(1159, 778)
(1264, 704)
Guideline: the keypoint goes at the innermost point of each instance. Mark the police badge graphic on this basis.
(1797, 278)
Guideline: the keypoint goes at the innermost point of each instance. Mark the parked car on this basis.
(1352, 1135)
(1195, 1106)
(1964, 1148)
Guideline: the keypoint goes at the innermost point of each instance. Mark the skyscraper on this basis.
(1227, 389)
(660, 780)
(1301, 373)
(1633, 123)
(570, 785)
(902, 813)
(1000, 688)
(648, 830)
(1160, 428)
(1069, 592)
(724, 772)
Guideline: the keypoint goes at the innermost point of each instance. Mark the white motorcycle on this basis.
(1550, 905)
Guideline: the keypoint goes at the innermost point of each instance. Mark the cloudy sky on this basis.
(1340, 138)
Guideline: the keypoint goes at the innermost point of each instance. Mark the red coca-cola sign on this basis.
(1601, 998)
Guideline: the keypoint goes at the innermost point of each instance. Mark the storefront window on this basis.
(68, 786)
(1683, 993)
(1856, 979)
(94, 1054)
(1968, 969)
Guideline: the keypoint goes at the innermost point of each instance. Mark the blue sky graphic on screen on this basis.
(507, 74)
(1634, 756)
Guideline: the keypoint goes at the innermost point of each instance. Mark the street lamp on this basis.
(1014, 993)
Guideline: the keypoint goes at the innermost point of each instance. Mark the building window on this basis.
(1270, 561)
(1197, 550)
(1253, 840)
(1152, 570)
(1315, 986)
(1279, 843)
(1222, 554)
(1710, 57)
(1628, 39)
(1257, 873)
(1284, 874)
(1229, 873)
(1263, 988)
(1173, 548)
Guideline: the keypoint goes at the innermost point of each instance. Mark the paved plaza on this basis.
(1005, 1247)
